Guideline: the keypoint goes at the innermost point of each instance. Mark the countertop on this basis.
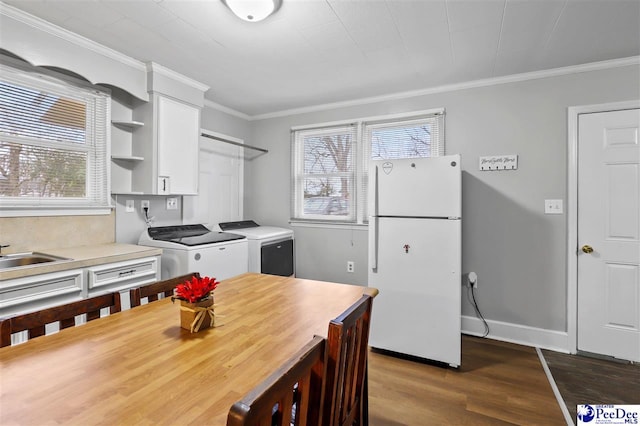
(82, 256)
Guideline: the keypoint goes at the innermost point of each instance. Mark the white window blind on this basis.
(330, 163)
(421, 137)
(325, 172)
(53, 142)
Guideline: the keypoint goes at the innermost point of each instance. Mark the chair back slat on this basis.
(292, 395)
(164, 287)
(65, 315)
(345, 401)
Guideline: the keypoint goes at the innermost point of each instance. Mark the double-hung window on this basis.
(53, 144)
(330, 162)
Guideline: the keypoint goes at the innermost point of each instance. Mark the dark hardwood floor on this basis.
(498, 384)
(585, 380)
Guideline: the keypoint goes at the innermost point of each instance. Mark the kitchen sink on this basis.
(27, 259)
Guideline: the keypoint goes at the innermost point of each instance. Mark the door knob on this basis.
(587, 248)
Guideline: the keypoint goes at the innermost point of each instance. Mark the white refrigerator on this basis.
(415, 213)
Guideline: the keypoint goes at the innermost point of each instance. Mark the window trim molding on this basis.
(370, 119)
(64, 207)
(360, 218)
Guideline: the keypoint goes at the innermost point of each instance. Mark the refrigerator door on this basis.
(416, 187)
(417, 311)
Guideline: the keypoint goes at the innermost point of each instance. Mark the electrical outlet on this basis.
(553, 206)
(172, 203)
(143, 204)
(130, 206)
(473, 279)
(350, 266)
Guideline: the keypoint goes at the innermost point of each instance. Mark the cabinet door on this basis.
(40, 291)
(122, 275)
(178, 126)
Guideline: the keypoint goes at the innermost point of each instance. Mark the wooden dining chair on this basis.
(65, 315)
(346, 393)
(292, 395)
(152, 291)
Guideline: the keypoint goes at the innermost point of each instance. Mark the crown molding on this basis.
(514, 78)
(69, 36)
(226, 110)
(159, 69)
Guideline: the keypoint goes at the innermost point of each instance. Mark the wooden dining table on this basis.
(138, 367)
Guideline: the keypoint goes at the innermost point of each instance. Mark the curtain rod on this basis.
(262, 150)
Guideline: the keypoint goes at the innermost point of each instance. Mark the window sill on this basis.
(328, 225)
(24, 212)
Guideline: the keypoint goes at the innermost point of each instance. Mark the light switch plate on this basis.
(553, 206)
(130, 208)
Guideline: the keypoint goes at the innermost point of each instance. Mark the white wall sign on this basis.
(498, 162)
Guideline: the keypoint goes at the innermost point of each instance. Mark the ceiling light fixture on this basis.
(253, 10)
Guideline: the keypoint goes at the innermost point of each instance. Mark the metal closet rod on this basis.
(262, 150)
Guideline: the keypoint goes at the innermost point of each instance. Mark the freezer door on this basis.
(420, 187)
(417, 311)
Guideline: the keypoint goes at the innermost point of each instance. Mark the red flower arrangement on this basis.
(195, 290)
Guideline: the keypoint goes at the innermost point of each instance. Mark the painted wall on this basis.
(518, 252)
(129, 225)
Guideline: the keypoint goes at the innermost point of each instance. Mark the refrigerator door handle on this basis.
(373, 242)
(374, 210)
(373, 222)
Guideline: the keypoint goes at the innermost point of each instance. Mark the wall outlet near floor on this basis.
(172, 203)
(473, 279)
(350, 266)
(130, 206)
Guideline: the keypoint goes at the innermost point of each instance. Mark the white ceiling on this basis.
(314, 52)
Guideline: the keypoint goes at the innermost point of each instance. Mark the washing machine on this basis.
(271, 249)
(195, 248)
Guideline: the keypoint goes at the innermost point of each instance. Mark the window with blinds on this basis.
(330, 163)
(53, 142)
(325, 174)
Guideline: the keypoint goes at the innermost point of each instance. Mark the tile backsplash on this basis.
(47, 232)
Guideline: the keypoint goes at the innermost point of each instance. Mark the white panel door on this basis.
(609, 234)
(220, 185)
(417, 311)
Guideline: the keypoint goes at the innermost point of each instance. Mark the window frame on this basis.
(97, 199)
(299, 174)
(362, 151)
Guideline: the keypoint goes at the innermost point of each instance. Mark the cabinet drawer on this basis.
(36, 292)
(122, 275)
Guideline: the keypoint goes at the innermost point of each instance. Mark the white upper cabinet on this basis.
(169, 145)
(168, 141)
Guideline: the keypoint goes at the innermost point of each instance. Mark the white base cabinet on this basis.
(40, 291)
(36, 292)
(122, 275)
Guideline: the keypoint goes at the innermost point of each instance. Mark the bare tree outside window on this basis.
(330, 176)
(401, 142)
(328, 170)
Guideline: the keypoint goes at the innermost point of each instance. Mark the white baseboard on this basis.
(520, 334)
